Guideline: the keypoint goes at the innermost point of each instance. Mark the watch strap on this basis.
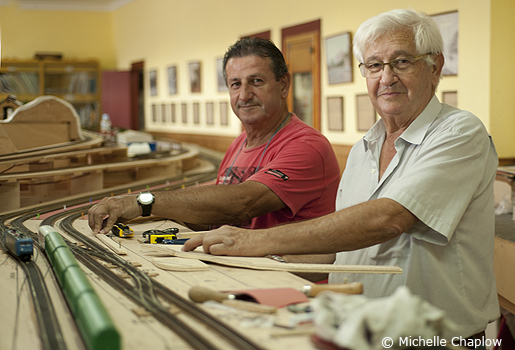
(146, 209)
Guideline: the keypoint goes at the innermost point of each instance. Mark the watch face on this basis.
(146, 198)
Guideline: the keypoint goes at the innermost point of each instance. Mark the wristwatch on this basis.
(146, 199)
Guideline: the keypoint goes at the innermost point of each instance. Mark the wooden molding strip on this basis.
(260, 263)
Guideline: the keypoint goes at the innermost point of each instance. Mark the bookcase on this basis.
(77, 82)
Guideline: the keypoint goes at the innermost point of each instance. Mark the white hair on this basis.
(427, 36)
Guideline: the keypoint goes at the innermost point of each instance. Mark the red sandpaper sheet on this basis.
(278, 297)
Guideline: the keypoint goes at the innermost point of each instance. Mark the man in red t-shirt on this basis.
(298, 165)
(279, 170)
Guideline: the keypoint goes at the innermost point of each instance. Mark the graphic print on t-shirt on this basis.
(236, 175)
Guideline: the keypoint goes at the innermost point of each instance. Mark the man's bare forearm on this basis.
(217, 204)
(356, 227)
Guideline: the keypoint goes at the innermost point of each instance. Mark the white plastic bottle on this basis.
(105, 124)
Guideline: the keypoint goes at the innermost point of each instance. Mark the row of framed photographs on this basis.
(366, 115)
(338, 59)
(195, 78)
(180, 112)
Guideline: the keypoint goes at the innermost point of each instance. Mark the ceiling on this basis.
(69, 5)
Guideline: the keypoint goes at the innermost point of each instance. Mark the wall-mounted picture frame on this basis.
(339, 58)
(448, 23)
(184, 113)
(365, 112)
(195, 76)
(450, 98)
(210, 112)
(172, 80)
(154, 112)
(196, 113)
(224, 113)
(172, 113)
(163, 113)
(152, 77)
(335, 113)
(222, 86)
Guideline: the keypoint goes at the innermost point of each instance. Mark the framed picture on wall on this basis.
(172, 80)
(195, 76)
(335, 113)
(222, 87)
(451, 98)
(172, 112)
(448, 24)
(339, 58)
(163, 113)
(366, 114)
(184, 113)
(154, 112)
(152, 76)
(210, 111)
(196, 113)
(224, 113)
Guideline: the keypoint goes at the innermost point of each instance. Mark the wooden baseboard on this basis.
(506, 161)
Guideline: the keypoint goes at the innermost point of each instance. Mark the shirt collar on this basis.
(415, 132)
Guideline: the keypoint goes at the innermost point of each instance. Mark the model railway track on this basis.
(50, 331)
(147, 292)
(144, 291)
(52, 337)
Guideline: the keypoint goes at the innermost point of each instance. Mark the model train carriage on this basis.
(18, 244)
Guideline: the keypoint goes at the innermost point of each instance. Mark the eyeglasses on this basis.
(374, 69)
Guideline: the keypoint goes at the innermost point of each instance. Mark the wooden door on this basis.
(301, 49)
(137, 96)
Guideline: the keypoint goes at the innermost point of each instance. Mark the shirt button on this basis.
(373, 171)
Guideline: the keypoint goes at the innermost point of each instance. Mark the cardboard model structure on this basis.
(43, 122)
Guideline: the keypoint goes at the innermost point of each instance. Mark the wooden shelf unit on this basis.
(77, 82)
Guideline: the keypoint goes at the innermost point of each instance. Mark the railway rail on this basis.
(50, 331)
(144, 290)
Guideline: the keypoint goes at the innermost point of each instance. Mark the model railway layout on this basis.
(140, 304)
(67, 289)
(67, 252)
(95, 326)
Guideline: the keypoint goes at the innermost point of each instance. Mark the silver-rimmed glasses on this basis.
(374, 69)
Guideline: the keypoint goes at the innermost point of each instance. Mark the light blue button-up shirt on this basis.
(443, 173)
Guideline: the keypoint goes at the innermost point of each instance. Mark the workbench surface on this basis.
(18, 329)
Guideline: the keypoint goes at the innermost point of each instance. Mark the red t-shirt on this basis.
(299, 166)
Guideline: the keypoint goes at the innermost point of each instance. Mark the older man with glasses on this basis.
(417, 190)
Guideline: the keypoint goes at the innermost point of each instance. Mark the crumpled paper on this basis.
(361, 323)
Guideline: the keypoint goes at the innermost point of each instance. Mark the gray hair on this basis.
(427, 36)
